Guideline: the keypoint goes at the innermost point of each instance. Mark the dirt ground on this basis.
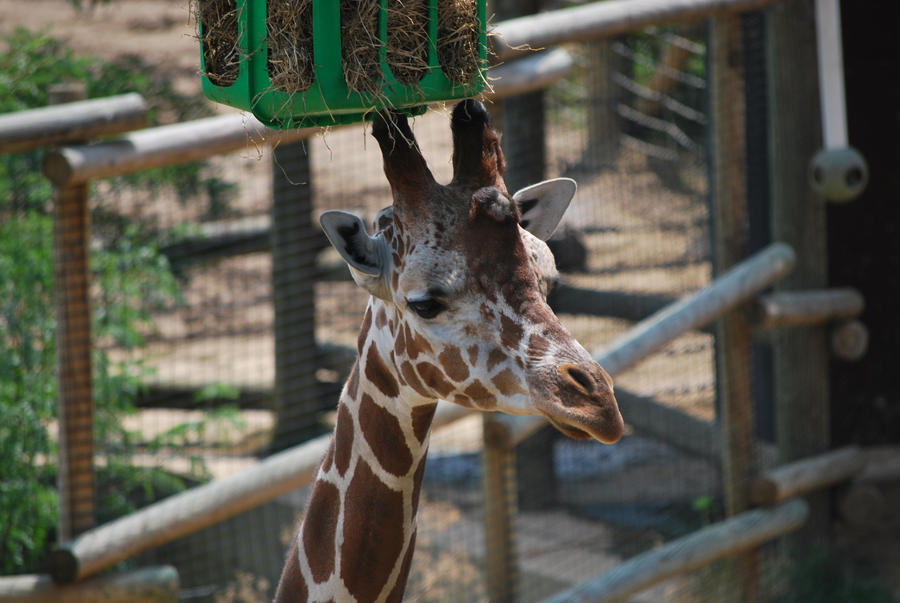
(160, 30)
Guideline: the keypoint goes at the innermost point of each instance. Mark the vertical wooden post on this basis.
(498, 460)
(602, 119)
(733, 349)
(294, 240)
(522, 121)
(71, 250)
(802, 413)
(759, 233)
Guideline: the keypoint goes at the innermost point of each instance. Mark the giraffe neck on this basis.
(357, 537)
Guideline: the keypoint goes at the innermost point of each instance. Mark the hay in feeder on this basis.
(457, 43)
(407, 40)
(289, 26)
(219, 37)
(360, 45)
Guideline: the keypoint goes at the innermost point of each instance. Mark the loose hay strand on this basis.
(361, 45)
(458, 36)
(218, 34)
(408, 40)
(289, 26)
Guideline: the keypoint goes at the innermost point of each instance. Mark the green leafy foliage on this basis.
(131, 278)
(27, 390)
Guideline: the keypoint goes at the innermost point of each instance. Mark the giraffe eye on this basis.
(427, 307)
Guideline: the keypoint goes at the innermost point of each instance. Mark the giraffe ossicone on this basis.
(459, 275)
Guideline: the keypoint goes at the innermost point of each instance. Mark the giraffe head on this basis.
(463, 273)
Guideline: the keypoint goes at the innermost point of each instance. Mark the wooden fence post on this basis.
(71, 246)
(525, 165)
(498, 459)
(733, 344)
(602, 119)
(521, 119)
(798, 218)
(295, 242)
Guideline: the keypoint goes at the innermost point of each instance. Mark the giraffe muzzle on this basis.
(585, 406)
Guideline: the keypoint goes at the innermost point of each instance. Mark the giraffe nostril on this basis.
(577, 377)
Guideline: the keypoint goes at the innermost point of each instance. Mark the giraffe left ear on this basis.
(368, 256)
(542, 205)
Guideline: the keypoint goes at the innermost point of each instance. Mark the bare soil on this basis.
(162, 31)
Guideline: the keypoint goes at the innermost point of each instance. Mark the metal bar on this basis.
(831, 73)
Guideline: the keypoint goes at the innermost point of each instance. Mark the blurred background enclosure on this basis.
(222, 325)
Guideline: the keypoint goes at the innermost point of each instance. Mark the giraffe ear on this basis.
(367, 256)
(542, 205)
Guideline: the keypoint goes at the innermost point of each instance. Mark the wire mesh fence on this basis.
(639, 224)
(225, 326)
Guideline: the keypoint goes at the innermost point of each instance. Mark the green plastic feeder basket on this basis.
(329, 100)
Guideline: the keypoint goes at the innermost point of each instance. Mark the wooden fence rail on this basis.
(734, 535)
(71, 122)
(186, 512)
(197, 508)
(203, 138)
(805, 475)
(145, 585)
(601, 19)
(280, 473)
(802, 308)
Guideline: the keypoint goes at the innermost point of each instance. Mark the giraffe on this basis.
(458, 276)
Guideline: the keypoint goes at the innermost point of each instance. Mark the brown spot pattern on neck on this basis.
(373, 534)
(343, 440)
(318, 536)
(382, 431)
(378, 374)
